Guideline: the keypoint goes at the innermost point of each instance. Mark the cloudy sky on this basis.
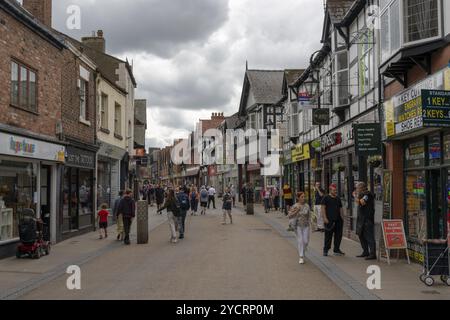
(189, 55)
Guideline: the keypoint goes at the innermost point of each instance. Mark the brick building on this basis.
(31, 152)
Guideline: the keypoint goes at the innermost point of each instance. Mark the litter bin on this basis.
(142, 222)
(250, 210)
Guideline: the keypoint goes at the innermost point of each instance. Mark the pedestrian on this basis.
(173, 212)
(119, 217)
(244, 194)
(300, 215)
(276, 198)
(183, 200)
(365, 223)
(233, 195)
(127, 208)
(266, 197)
(194, 198)
(319, 194)
(227, 205)
(159, 194)
(287, 196)
(333, 216)
(103, 220)
(212, 197)
(203, 200)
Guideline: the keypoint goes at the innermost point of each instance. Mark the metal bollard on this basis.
(142, 222)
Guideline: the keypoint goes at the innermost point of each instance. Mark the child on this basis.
(103, 220)
(227, 203)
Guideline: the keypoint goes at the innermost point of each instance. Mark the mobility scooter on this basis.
(34, 236)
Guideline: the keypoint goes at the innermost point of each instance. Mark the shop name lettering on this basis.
(21, 146)
(79, 159)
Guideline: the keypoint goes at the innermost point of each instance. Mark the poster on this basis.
(394, 234)
(387, 194)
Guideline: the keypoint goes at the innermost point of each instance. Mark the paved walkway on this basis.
(399, 281)
(246, 260)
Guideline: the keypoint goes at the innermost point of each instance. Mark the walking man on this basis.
(333, 216)
(212, 197)
(183, 200)
(287, 195)
(119, 224)
(365, 223)
(127, 208)
(319, 194)
(159, 194)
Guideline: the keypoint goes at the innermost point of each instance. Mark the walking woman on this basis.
(227, 204)
(172, 215)
(194, 198)
(300, 214)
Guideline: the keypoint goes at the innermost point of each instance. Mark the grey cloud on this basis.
(158, 26)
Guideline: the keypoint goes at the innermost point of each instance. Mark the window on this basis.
(118, 119)
(421, 20)
(408, 21)
(366, 63)
(23, 87)
(83, 99)
(104, 112)
(416, 204)
(340, 79)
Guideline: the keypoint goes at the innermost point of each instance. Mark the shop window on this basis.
(446, 144)
(435, 150)
(17, 192)
(415, 154)
(416, 204)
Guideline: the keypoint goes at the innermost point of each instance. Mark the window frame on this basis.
(20, 66)
(84, 99)
(117, 120)
(104, 111)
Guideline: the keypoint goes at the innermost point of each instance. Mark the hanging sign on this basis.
(321, 117)
(367, 139)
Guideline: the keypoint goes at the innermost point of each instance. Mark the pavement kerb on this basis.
(60, 270)
(352, 287)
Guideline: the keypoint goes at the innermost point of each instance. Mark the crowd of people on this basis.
(327, 213)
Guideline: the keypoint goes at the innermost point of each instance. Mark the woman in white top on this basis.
(300, 215)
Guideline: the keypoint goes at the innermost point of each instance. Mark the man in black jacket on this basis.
(365, 223)
(127, 208)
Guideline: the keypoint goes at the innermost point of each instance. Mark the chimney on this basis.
(95, 42)
(40, 9)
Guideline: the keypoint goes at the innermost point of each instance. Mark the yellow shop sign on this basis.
(301, 152)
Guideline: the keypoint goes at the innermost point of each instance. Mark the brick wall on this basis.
(22, 44)
(72, 127)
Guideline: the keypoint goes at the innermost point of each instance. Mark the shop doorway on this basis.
(437, 207)
(45, 203)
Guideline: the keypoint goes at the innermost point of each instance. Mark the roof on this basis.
(337, 9)
(15, 9)
(234, 121)
(140, 111)
(266, 85)
(292, 75)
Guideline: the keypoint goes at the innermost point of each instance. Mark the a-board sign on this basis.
(394, 234)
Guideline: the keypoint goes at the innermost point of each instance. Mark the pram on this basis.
(436, 262)
(34, 236)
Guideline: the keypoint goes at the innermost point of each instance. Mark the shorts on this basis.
(288, 202)
(204, 204)
(103, 225)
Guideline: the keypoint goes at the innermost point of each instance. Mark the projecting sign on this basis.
(436, 108)
(321, 117)
(367, 139)
(304, 99)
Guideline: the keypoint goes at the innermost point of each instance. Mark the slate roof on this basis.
(267, 85)
(292, 75)
(338, 9)
(234, 121)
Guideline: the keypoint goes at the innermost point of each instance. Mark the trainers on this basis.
(100, 238)
(301, 261)
(339, 253)
(325, 254)
(181, 236)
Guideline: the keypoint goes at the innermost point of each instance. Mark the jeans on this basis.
(213, 200)
(337, 232)
(266, 204)
(127, 225)
(181, 222)
(302, 240)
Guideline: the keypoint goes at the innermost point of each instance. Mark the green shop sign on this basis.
(436, 108)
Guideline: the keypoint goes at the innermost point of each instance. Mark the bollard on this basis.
(142, 222)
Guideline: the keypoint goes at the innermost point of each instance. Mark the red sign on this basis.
(212, 171)
(394, 234)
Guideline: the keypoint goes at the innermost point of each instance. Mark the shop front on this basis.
(418, 139)
(345, 165)
(256, 180)
(78, 212)
(28, 180)
(109, 174)
(301, 157)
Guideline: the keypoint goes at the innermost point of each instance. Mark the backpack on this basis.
(204, 194)
(183, 199)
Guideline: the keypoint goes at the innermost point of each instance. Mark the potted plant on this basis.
(339, 167)
(375, 161)
(355, 168)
